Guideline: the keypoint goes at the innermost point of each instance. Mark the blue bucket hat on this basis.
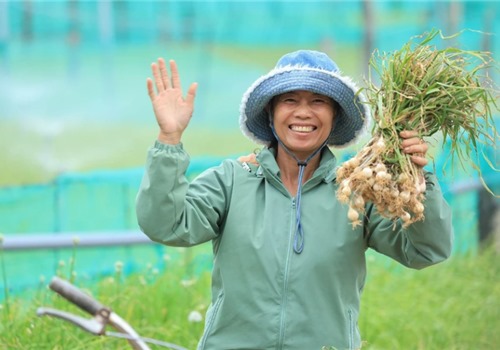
(311, 71)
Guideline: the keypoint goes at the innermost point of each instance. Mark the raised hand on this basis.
(172, 111)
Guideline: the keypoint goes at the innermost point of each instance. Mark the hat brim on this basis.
(351, 120)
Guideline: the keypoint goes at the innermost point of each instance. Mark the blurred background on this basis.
(76, 122)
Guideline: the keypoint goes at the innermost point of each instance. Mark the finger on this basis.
(157, 77)
(151, 92)
(419, 160)
(176, 80)
(243, 159)
(249, 158)
(406, 134)
(164, 73)
(416, 147)
(191, 94)
(411, 142)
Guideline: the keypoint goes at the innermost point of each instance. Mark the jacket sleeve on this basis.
(423, 243)
(172, 211)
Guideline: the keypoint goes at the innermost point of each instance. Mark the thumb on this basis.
(191, 94)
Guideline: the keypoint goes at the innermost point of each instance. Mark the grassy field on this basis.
(453, 306)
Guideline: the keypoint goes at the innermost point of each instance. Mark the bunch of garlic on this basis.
(396, 192)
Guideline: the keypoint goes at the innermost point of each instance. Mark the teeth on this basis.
(302, 128)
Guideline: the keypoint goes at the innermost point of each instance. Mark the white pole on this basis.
(68, 240)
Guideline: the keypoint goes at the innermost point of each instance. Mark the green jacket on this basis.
(264, 295)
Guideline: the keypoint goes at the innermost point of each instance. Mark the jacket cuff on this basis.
(168, 147)
(431, 181)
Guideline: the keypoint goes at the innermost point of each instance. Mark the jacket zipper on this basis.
(210, 321)
(351, 329)
(284, 298)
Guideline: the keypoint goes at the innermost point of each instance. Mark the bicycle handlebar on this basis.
(101, 316)
(75, 295)
(90, 325)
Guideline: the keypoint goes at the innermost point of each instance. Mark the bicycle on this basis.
(102, 316)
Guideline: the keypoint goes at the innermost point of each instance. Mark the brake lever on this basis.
(95, 325)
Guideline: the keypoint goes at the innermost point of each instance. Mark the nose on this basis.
(303, 110)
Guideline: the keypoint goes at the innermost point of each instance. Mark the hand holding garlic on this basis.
(391, 179)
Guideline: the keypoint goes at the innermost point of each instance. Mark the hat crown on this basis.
(308, 58)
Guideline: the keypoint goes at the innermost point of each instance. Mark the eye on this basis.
(288, 99)
(322, 100)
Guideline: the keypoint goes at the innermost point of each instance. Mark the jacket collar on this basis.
(268, 167)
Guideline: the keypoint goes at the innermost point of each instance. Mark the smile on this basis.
(302, 128)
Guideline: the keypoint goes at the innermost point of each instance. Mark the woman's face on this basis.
(303, 120)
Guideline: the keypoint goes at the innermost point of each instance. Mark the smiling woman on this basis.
(288, 268)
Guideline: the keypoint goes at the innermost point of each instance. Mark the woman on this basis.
(288, 268)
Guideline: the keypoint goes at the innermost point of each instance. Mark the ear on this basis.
(336, 111)
(269, 111)
(335, 107)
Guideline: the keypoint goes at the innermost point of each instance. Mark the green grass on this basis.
(453, 306)
(156, 304)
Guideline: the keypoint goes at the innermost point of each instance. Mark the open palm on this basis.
(173, 111)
